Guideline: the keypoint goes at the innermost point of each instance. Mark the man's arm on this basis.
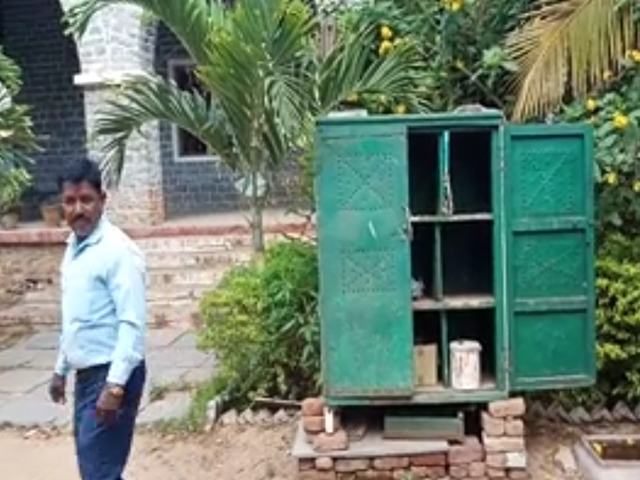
(62, 366)
(126, 281)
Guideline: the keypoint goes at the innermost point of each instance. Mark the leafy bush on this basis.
(615, 115)
(262, 323)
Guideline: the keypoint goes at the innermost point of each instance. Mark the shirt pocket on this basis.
(83, 296)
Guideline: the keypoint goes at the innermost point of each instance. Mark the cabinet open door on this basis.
(550, 256)
(365, 273)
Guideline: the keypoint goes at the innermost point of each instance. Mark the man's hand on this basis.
(57, 389)
(109, 403)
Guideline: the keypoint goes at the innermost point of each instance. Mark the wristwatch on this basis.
(115, 390)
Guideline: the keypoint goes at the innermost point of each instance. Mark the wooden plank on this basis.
(455, 302)
(470, 217)
(424, 427)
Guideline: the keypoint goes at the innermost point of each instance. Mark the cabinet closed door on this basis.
(365, 277)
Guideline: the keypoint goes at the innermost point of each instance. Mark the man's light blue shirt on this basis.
(104, 310)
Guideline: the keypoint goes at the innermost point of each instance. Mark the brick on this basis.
(503, 444)
(399, 474)
(496, 473)
(430, 472)
(373, 475)
(316, 475)
(518, 475)
(429, 460)
(306, 464)
(516, 460)
(477, 469)
(513, 407)
(390, 463)
(492, 426)
(312, 407)
(514, 427)
(496, 460)
(348, 465)
(458, 471)
(470, 451)
(324, 463)
(346, 476)
(313, 424)
(324, 442)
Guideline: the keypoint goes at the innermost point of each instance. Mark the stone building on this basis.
(66, 82)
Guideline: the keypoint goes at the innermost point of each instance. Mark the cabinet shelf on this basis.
(466, 217)
(488, 382)
(455, 302)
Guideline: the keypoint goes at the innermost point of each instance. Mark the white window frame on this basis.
(172, 64)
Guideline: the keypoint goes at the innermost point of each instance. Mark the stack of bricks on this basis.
(503, 437)
(313, 423)
(498, 454)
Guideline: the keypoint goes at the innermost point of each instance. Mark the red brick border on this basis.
(53, 236)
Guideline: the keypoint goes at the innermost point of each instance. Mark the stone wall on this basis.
(183, 262)
(33, 36)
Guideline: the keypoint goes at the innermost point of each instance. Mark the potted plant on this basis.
(51, 212)
(13, 183)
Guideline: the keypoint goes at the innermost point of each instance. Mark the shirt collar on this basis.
(92, 239)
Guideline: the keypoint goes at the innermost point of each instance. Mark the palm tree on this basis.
(17, 139)
(259, 60)
(567, 46)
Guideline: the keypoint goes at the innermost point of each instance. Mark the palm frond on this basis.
(348, 70)
(189, 20)
(567, 45)
(9, 73)
(152, 99)
(257, 71)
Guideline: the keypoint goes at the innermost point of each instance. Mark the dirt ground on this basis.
(247, 453)
(228, 453)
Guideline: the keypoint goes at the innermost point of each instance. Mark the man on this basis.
(103, 327)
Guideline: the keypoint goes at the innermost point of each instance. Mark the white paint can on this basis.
(465, 364)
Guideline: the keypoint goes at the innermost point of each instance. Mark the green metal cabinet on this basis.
(494, 221)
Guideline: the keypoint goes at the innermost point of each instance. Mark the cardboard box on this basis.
(426, 365)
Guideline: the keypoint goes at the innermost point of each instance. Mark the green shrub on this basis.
(262, 323)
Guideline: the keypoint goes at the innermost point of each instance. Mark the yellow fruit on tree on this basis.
(385, 47)
(591, 104)
(620, 121)
(386, 33)
(400, 109)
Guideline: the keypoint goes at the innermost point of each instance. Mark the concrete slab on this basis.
(372, 445)
(186, 340)
(173, 406)
(198, 375)
(161, 338)
(170, 357)
(15, 357)
(31, 412)
(42, 341)
(165, 377)
(22, 380)
(43, 360)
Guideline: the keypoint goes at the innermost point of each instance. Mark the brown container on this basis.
(426, 365)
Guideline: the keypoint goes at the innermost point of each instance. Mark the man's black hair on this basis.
(82, 171)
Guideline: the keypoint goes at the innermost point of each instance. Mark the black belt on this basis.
(87, 373)
(84, 374)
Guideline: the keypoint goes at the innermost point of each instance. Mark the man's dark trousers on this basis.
(103, 450)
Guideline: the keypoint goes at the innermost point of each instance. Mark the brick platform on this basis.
(497, 452)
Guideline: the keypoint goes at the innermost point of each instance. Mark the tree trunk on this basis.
(257, 221)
